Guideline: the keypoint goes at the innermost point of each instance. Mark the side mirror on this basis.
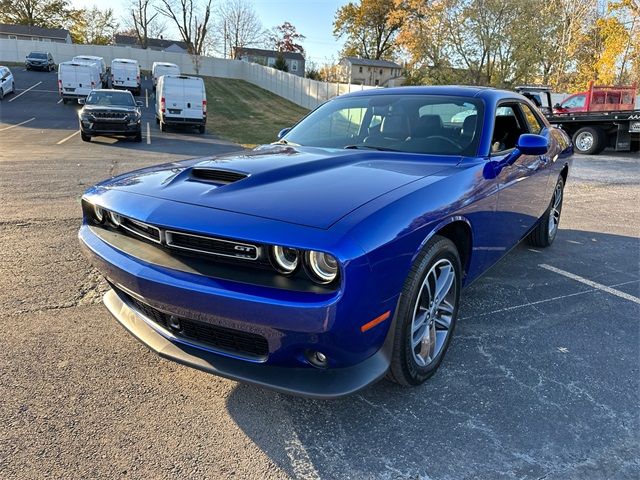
(138, 103)
(532, 144)
(557, 105)
(283, 132)
(81, 101)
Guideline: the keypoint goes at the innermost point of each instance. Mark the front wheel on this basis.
(138, 137)
(427, 313)
(85, 137)
(201, 129)
(1, 93)
(545, 232)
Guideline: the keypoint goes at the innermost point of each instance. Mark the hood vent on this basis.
(217, 176)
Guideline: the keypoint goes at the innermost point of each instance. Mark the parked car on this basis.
(163, 68)
(7, 84)
(336, 256)
(40, 61)
(98, 62)
(599, 98)
(110, 113)
(181, 100)
(77, 79)
(125, 74)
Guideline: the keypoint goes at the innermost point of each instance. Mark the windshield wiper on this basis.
(371, 147)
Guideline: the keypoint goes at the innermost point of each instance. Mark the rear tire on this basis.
(546, 230)
(588, 140)
(85, 137)
(427, 313)
(65, 100)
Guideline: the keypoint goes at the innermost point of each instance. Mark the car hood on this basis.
(306, 186)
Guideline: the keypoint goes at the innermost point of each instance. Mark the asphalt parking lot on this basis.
(542, 379)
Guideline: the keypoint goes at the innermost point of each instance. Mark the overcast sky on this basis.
(312, 18)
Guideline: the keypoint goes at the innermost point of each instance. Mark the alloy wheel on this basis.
(556, 208)
(433, 312)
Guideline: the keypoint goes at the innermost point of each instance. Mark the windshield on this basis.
(121, 99)
(431, 124)
(37, 55)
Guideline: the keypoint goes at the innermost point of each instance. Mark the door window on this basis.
(535, 125)
(508, 127)
(575, 102)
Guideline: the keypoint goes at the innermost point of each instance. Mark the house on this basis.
(294, 60)
(29, 32)
(159, 44)
(364, 71)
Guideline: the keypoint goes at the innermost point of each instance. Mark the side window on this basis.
(341, 123)
(535, 125)
(575, 102)
(507, 128)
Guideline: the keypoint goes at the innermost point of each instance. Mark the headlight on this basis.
(285, 259)
(98, 213)
(323, 267)
(115, 219)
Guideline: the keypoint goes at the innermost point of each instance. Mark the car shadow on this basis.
(524, 391)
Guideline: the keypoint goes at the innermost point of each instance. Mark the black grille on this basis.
(222, 338)
(142, 229)
(110, 115)
(218, 176)
(211, 246)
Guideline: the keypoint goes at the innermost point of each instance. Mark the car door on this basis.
(522, 181)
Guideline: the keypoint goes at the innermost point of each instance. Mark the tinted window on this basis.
(406, 123)
(37, 55)
(535, 125)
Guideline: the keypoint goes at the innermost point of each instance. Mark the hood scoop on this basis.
(216, 175)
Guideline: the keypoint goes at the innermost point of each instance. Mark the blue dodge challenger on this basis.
(337, 255)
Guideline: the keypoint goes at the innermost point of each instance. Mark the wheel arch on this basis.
(458, 230)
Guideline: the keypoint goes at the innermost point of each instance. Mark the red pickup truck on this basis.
(599, 98)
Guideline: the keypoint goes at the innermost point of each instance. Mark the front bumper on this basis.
(38, 66)
(96, 128)
(309, 382)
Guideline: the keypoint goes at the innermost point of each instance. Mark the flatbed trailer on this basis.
(593, 131)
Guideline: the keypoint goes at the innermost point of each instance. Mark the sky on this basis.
(312, 18)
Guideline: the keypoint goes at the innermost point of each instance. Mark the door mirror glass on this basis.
(139, 103)
(531, 144)
(81, 101)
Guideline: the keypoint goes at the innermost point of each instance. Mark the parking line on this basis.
(67, 138)
(146, 97)
(591, 283)
(148, 134)
(20, 94)
(59, 101)
(17, 124)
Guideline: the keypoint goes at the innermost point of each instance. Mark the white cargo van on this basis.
(163, 68)
(77, 79)
(99, 63)
(125, 74)
(181, 100)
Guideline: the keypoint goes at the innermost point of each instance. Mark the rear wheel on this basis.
(65, 100)
(85, 137)
(589, 140)
(545, 232)
(427, 313)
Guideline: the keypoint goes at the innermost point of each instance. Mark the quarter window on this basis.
(535, 125)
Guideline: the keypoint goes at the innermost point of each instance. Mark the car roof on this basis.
(486, 93)
(111, 90)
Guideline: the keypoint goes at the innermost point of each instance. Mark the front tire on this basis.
(138, 137)
(85, 137)
(1, 93)
(427, 313)
(545, 232)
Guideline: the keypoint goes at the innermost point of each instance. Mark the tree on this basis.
(239, 26)
(284, 38)
(94, 26)
(39, 13)
(281, 63)
(370, 26)
(191, 19)
(143, 21)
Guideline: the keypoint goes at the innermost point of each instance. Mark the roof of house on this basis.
(34, 31)
(367, 62)
(152, 42)
(259, 52)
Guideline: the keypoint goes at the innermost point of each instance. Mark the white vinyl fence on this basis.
(301, 91)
